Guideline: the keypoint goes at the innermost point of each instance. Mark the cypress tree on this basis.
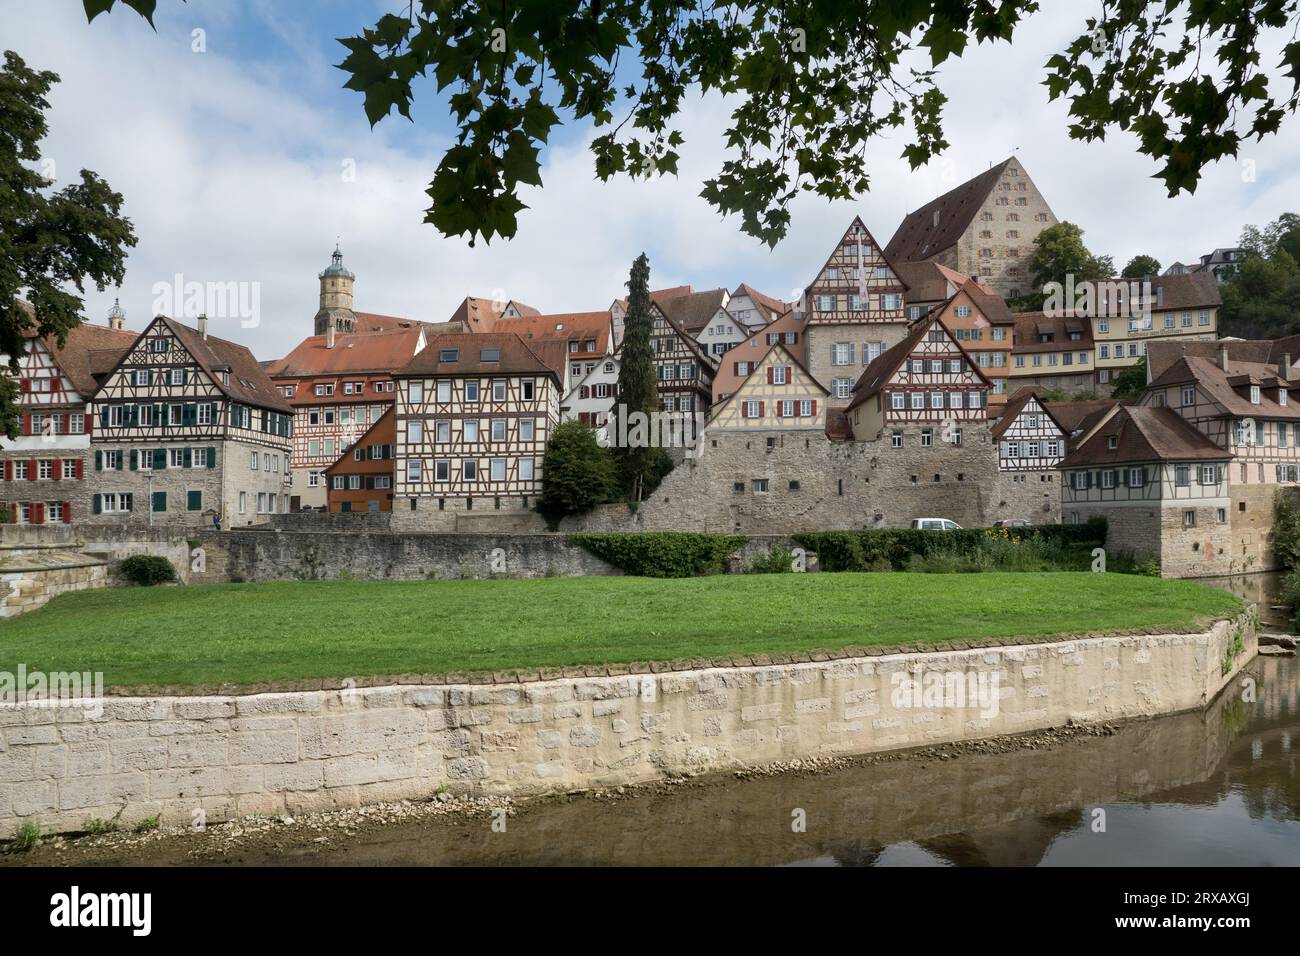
(640, 468)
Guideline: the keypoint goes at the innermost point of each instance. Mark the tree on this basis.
(642, 463)
(49, 240)
(813, 84)
(1130, 382)
(1261, 295)
(1059, 254)
(1139, 267)
(577, 473)
(1283, 233)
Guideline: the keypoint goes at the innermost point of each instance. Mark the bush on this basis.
(777, 561)
(148, 570)
(1286, 531)
(577, 473)
(28, 836)
(662, 554)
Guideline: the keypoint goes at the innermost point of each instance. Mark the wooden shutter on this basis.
(187, 458)
(119, 460)
(99, 461)
(27, 425)
(770, 374)
(81, 469)
(160, 459)
(56, 469)
(31, 469)
(38, 512)
(135, 459)
(9, 470)
(67, 512)
(97, 504)
(762, 409)
(814, 406)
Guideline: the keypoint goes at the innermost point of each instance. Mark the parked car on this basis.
(1011, 523)
(934, 524)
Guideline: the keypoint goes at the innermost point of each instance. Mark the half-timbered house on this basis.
(1030, 439)
(592, 399)
(683, 371)
(740, 360)
(753, 309)
(361, 480)
(1252, 411)
(854, 312)
(923, 389)
(339, 386)
(706, 317)
(473, 415)
(777, 394)
(187, 425)
(1161, 485)
(43, 469)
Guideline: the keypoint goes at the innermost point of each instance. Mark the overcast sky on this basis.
(232, 164)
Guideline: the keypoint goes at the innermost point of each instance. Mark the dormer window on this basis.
(1112, 442)
(449, 355)
(1281, 396)
(489, 355)
(1254, 395)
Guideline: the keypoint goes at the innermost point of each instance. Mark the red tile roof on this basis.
(1143, 434)
(920, 236)
(515, 356)
(381, 352)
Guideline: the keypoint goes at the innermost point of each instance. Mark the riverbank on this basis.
(1022, 799)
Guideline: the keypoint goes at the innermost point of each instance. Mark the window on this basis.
(896, 439)
(498, 390)
(842, 353)
(897, 400)
(469, 431)
(469, 470)
(444, 391)
(1108, 478)
(526, 429)
(471, 391)
(778, 375)
(441, 469)
(526, 388)
(415, 431)
(142, 376)
(927, 437)
(759, 486)
(159, 343)
(843, 387)
(498, 471)
(1137, 477)
(1183, 476)
(413, 469)
(525, 469)
(415, 392)
(313, 479)
(1188, 395)
(498, 429)
(1189, 519)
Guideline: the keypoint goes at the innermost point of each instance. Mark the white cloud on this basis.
(233, 173)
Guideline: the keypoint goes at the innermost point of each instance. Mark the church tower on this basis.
(336, 298)
(117, 317)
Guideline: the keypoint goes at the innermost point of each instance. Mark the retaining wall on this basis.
(525, 733)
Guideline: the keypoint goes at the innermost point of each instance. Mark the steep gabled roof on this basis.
(758, 298)
(990, 303)
(1072, 416)
(1188, 291)
(695, 311)
(352, 352)
(1142, 434)
(1222, 386)
(562, 327)
(87, 350)
(877, 374)
(748, 351)
(1162, 354)
(515, 356)
(1029, 325)
(248, 383)
(920, 235)
(695, 348)
(383, 423)
(717, 408)
(1016, 404)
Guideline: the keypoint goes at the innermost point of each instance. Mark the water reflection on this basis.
(1208, 788)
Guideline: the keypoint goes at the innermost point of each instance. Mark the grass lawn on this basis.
(249, 633)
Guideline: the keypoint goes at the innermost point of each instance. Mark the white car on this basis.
(934, 524)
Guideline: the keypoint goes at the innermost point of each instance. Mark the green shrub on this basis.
(662, 554)
(148, 824)
(148, 570)
(778, 560)
(29, 835)
(577, 473)
(1286, 531)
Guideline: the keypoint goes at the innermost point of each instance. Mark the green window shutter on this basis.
(160, 458)
(103, 417)
(212, 458)
(120, 456)
(188, 458)
(134, 459)
(99, 463)
(97, 504)
(212, 414)
(194, 500)
(189, 415)
(160, 501)
(159, 414)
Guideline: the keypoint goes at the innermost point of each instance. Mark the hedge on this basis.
(662, 554)
(147, 569)
(873, 549)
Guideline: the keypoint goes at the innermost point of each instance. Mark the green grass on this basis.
(249, 633)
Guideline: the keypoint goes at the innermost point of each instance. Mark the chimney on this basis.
(1223, 357)
(1284, 367)
(203, 326)
(329, 336)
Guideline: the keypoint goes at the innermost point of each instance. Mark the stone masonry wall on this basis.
(1032, 495)
(520, 733)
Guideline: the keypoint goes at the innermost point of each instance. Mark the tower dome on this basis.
(336, 297)
(117, 316)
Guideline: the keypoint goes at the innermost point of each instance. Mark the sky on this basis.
(246, 160)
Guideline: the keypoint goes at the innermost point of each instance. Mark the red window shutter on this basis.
(780, 409)
(67, 512)
(770, 374)
(81, 465)
(31, 469)
(788, 377)
(13, 513)
(585, 392)
(762, 406)
(26, 428)
(56, 469)
(814, 406)
(38, 513)
(9, 471)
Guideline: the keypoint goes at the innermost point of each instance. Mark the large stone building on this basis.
(853, 311)
(1053, 352)
(187, 425)
(43, 469)
(1161, 485)
(985, 228)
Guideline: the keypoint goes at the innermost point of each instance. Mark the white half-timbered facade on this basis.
(682, 369)
(925, 380)
(854, 312)
(593, 398)
(186, 426)
(473, 415)
(43, 467)
(778, 394)
(1028, 436)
